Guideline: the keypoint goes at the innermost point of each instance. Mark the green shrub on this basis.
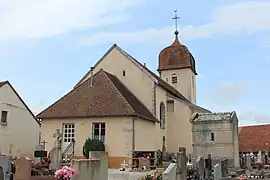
(92, 145)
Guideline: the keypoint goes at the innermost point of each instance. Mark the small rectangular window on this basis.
(124, 73)
(4, 116)
(99, 131)
(212, 137)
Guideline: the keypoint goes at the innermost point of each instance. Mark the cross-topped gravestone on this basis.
(57, 135)
(44, 144)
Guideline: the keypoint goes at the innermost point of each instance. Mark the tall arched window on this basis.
(162, 115)
(174, 78)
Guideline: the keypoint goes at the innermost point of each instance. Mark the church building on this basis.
(129, 107)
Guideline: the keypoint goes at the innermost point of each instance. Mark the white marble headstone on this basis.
(217, 172)
(259, 157)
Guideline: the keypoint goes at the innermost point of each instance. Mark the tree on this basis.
(92, 145)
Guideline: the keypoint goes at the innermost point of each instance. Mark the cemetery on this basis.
(203, 164)
(159, 165)
(167, 166)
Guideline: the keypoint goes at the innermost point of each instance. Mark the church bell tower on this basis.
(177, 67)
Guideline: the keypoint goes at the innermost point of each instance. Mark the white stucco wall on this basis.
(21, 130)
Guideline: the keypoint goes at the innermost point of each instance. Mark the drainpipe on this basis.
(133, 135)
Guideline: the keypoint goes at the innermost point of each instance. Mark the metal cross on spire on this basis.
(176, 19)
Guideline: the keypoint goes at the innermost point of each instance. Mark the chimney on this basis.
(91, 75)
(144, 64)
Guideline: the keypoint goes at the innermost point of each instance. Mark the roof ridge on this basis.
(106, 74)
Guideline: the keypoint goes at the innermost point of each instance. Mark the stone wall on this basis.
(95, 168)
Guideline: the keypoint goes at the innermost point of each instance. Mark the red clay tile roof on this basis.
(254, 138)
(107, 96)
(176, 56)
(32, 114)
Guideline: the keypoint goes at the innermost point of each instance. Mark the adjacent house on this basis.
(253, 139)
(123, 103)
(19, 129)
(216, 134)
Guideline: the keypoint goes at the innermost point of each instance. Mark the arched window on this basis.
(174, 78)
(162, 115)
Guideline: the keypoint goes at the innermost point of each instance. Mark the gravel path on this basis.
(115, 174)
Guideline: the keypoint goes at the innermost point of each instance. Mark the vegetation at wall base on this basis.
(92, 145)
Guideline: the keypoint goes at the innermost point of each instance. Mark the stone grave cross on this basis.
(44, 144)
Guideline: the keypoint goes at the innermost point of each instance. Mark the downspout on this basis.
(133, 135)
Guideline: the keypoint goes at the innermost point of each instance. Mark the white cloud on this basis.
(36, 19)
(253, 117)
(246, 17)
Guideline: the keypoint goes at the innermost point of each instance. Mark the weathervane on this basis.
(176, 19)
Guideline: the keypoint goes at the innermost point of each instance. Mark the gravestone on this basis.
(259, 157)
(217, 172)
(181, 169)
(5, 163)
(2, 174)
(263, 159)
(208, 167)
(159, 158)
(23, 168)
(248, 161)
(242, 161)
(144, 163)
(200, 168)
(184, 159)
(224, 168)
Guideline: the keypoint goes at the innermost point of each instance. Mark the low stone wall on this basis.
(170, 172)
(95, 168)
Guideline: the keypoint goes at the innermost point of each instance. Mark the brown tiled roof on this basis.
(254, 138)
(176, 56)
(32, 114)
(107, 96)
